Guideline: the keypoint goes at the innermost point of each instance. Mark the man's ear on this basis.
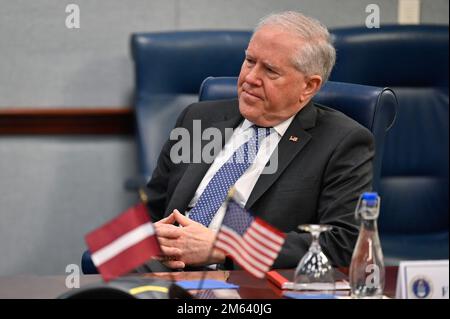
(312, 86)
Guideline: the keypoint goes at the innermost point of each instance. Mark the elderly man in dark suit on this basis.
(323, 159)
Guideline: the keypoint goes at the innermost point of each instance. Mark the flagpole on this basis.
(202, 279)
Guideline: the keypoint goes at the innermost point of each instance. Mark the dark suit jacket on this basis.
(318, 180)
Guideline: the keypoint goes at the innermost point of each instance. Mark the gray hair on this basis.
(317, 55)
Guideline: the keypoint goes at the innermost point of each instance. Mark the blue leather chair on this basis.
(87, 265)
(372, 107)
(413, 61)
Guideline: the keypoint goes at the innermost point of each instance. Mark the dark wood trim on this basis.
(73, 121)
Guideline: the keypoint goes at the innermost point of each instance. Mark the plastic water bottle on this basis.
(367, 273)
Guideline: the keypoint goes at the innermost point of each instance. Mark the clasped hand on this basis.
(187, 244)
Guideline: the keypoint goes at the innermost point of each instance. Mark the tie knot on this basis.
(261, 130)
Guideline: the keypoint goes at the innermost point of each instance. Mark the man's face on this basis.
(270, 88)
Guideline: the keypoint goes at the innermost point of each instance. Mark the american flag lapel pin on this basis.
(293, 138)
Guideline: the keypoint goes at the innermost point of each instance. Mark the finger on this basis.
(172, 252)
(168, 242)
(174, 264)
(167, 230)
(170, 262)
(181, 219)
(168, 220)
(158, 257)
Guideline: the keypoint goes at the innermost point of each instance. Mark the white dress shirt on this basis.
(244, 185)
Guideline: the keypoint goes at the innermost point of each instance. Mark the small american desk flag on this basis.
(124, 243)
(250, 241)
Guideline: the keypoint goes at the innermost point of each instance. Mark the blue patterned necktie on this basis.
(217, 189)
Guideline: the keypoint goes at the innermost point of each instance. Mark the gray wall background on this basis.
(55, 189)
(45, 64)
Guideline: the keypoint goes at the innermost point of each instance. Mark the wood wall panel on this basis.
(74, 121)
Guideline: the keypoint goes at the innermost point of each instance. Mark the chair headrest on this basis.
(396, 55)
(177, 62)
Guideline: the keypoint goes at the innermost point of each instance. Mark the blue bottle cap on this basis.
(370, 196)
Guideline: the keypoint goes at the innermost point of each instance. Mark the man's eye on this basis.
(250, 61)
(272, 72)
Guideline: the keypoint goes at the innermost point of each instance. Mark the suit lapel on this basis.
(195, 172)
(293, 141)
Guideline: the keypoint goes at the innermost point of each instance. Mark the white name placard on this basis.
(422, 280)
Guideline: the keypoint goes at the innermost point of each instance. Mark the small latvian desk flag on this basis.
(124, 243)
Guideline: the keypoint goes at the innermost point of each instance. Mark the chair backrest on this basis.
(169, 68)
(413, 61)
(372, 107)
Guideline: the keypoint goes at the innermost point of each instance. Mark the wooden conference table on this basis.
(44, 287)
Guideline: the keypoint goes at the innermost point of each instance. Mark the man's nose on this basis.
(253, 77)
